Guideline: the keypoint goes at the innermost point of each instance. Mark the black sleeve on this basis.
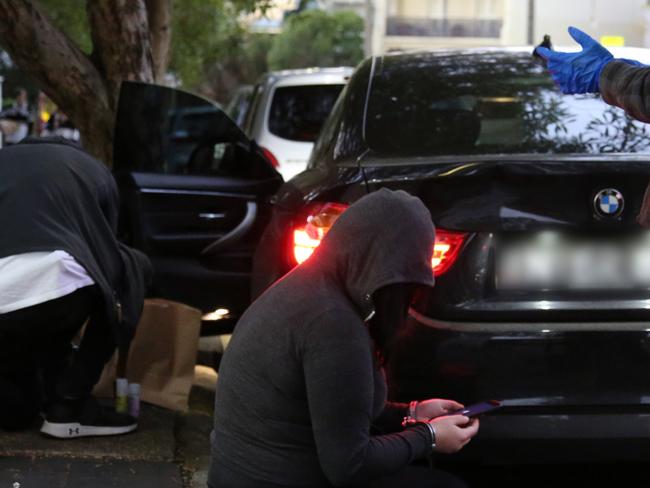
(390, 419)
(100, 181)
(338, 371)
(109, 201)
(627, 87)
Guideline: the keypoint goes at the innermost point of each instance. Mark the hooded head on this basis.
(384, 238)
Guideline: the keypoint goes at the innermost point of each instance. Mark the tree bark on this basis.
(121, 44)
(62, 71)
(159, 14)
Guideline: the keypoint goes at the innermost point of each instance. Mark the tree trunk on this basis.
(85, 88)
(121, 44)
(59, 67)
(159, 13)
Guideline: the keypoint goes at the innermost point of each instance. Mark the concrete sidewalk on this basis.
(168, 450)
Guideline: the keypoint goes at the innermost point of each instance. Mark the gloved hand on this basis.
(577, 72)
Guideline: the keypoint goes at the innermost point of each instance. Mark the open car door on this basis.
(195, 194)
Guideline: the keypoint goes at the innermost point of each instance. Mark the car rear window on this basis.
(298, 112)
(488, 103)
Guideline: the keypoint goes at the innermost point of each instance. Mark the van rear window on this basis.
(298, 112)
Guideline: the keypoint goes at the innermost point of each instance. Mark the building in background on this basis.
(271, 21)
(358, 6)
(423, 24)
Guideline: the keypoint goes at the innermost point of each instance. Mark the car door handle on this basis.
(211, 216)
(234, 235)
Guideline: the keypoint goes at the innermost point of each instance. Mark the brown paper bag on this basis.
(162, 355)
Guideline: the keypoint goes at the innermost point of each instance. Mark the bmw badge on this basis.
(609, 203)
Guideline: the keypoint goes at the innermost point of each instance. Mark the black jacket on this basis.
(54, 196)
(298, 389)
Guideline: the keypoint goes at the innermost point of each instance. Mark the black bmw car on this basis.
(542, 295)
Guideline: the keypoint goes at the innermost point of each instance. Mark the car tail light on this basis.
(446, 249)
(271, 157)
(319, 220)
(321, 217)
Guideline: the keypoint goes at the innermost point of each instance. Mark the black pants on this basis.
(37, 365)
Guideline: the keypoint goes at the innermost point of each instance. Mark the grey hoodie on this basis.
(298, 390)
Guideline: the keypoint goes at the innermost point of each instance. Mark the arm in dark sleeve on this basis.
(338, 369)
(390, 419)
(627, 87)
(136, 277)
(109, 202)
(100, 181)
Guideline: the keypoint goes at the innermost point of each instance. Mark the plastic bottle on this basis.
(121, 395)
(134, 400)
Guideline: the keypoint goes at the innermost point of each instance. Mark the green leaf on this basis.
(317, 38)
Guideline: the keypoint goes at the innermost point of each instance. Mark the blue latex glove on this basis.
(577, 72)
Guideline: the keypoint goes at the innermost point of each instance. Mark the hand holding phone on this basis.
(453, 432)
(478, 409)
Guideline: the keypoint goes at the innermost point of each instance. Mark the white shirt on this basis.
(36, 277)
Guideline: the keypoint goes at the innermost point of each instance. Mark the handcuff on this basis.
(410, 420)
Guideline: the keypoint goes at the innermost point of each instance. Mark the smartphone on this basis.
(478, 409)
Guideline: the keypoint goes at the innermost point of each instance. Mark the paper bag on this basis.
(162, 355)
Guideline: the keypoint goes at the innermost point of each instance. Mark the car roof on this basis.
(636, 53)
(309, 76)
(244, 89)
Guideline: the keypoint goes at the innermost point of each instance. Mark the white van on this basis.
(287, 110)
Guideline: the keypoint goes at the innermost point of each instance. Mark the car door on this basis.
(195, 194)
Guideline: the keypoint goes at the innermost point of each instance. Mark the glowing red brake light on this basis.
(445, 250)
(321, 217)
(308, 237)
(271, 157)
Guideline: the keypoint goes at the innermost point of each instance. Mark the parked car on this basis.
(286, 112)
(238, 106)
(195, 194)
(541, 296)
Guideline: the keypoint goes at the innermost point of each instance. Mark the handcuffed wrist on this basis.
(413, 409)
(432, 431)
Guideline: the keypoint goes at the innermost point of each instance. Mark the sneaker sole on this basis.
(72, 430)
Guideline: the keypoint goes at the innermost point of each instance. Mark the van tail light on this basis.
(271, 157)
(446, 249)
(321, 217)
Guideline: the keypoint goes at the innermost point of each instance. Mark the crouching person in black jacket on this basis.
(61, 267)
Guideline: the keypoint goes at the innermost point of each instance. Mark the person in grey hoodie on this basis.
(301, 394)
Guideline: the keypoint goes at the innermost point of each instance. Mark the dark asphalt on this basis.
(16, 472)
(169, 450)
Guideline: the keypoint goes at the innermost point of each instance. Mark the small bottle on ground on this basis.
(121, 395)
(134, 400)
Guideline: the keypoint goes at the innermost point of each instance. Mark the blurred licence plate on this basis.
(548, 261)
